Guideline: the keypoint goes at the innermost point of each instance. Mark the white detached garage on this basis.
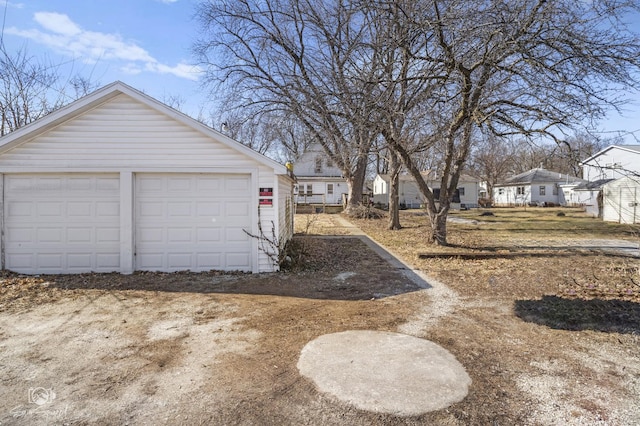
(117, 181)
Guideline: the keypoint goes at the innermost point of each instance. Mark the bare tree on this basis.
(25, 90)
(492, 160)
(31, 89)
(307, 58)
(532, 68)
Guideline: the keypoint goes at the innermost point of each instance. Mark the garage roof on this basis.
(110, 91)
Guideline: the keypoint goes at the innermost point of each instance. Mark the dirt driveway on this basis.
(189, 348)
(151, 349)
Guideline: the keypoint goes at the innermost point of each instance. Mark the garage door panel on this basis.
(237, 209)
(62, 223)
(239, 260)
(18, 210)
(79, 235)
(179, 209)
(108, 235)
(236, 235)
(50, 235)
(150, 209)
(15, 235)
(149, 235)
(208, 209)
(79, 209)
(189, 221)
(209, 183)
(238, 184)
(179, 235)
(49, 208)
(208, 235)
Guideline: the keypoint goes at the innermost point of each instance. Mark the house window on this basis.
(520, 190)
(555, 190)
(329, 163)
(500, 191)
(309, 190)
(329, 189)
(318, 165)
(543, 190)
(461, 191)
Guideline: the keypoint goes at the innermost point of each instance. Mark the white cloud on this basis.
(11, 4)
(60, 33)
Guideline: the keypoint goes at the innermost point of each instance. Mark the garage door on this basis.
(192, 222)
(62, 223)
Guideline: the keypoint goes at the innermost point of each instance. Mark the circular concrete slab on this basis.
(385, 372)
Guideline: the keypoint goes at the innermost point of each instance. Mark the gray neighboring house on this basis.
(537, 186)
(466, 195)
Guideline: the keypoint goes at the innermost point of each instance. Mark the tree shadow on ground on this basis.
(610, 316)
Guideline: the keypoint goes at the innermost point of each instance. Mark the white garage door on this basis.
(62, 223)
(192, 222)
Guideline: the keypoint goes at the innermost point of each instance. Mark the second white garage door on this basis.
(192, 222)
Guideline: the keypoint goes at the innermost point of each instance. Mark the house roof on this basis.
(429, 176)
(634, 149)
(539, 175)
(592, 186)
(108, 92)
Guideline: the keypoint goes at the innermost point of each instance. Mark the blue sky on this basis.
(147, 44)
(144, 43)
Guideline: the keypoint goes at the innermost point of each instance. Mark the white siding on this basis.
(621, 201)
(612, 163)
(126, 136)
(123, 133)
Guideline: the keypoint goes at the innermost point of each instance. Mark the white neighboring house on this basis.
(536, 186)
(613, 184)
(117, 181)
(590, 196)
(319, 181)
(466, 195)
(613, 162)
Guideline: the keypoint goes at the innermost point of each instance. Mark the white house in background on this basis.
(590, 196)
(466, 195)
(610, 192)
(536, 186)
(319, 181)
(612, 162)
(117, 181)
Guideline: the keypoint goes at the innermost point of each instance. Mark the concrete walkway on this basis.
(414, 275)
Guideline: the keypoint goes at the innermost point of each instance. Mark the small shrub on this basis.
(364, 212)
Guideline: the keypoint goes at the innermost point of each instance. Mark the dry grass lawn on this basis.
(547, 326)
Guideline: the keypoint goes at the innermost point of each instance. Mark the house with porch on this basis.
(319, 181)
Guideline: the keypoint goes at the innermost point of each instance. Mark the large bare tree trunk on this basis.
(355, 181)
